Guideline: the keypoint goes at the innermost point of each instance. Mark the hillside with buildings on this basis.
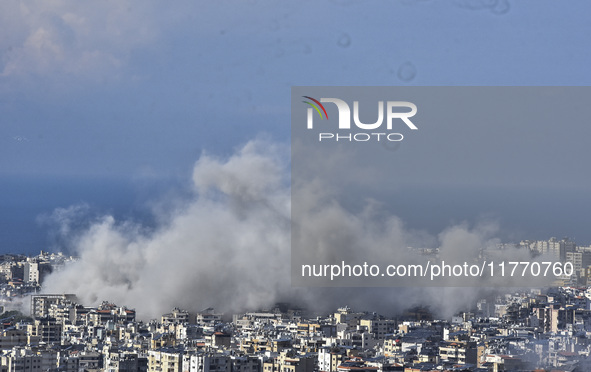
(521, 330)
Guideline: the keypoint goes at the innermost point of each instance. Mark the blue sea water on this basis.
(521, 214)
(26, 202)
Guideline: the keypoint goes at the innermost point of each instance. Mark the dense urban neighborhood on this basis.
(538, 329)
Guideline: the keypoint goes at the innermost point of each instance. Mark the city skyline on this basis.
(525, 330)
(153, 142)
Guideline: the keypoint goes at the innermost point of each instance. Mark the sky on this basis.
(111, 103)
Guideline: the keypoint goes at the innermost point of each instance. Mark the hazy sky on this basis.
(141, 88)
(137, 90)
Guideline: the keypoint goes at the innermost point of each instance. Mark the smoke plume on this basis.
(228, 247)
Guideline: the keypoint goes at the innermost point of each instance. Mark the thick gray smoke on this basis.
(228, 247)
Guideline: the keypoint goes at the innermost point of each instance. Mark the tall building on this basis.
(554, 247)
(31, 272)
(44, 305)
(576, 258)
(165, 360)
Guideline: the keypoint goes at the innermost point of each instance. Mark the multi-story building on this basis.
(289, 362)
(379, 328)
(44, 305)
(165, 360)
(27, 360)
(460, 352)
(121, 361)
(10, 338)
(177, 316)
(206, 362)
(31, 272)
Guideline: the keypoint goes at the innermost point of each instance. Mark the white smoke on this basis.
(228, 247)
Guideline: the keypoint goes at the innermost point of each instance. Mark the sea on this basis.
(27, 203)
